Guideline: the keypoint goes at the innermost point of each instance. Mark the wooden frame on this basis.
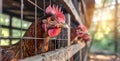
(62, 54)
(70, 6)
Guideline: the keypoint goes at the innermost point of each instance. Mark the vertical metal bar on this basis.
(62, 37)
(68, 29)
(35, 28)
(21, 50)
(50, 2)
(1, 57)
(76, 57)
(55, 43)
(81, 55)
(44, 6)
(68, 18)
(58, 42)
(1, 2)
(10, 32)
(86, 53)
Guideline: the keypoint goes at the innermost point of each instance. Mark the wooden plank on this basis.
(70, 6)
(62, 54)
(85, 15)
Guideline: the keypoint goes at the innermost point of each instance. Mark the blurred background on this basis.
(105, 28)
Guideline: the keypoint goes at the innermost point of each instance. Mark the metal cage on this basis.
(31, 10)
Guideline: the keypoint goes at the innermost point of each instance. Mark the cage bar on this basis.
(69, 21)
(22, 7)
(35, 28)
(1, 6)
(1, 2)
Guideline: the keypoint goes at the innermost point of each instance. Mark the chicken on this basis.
(80, 35)
(77, 35)
(47, 27)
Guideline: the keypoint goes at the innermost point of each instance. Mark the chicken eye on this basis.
(79, 38)
(52, 19)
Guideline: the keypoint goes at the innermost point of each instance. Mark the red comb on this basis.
(56, 11)
(83, 28)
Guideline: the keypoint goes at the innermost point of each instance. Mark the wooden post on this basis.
(81, 12)
(70, 6)
(62, 54)
(85, 15)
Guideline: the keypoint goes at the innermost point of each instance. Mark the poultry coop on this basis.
(28, 42)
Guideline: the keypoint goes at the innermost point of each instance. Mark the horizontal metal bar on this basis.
(28, 38)
(16, 15)
(62, 54)
(4, 26)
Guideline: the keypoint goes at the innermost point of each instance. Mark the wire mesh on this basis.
(60, 41)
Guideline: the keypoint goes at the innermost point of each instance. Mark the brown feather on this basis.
(28, 45)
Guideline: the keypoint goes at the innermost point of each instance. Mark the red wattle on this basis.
(54, 32)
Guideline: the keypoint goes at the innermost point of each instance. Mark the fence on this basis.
(66, 51)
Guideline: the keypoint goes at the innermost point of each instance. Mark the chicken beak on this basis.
(63, 25)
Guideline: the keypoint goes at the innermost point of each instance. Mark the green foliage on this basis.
(4, 42)
(119, 40)
(4, 32)
(15, 41)
(4, 19)
(17, 23)
(17, 33)
(104, 43)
